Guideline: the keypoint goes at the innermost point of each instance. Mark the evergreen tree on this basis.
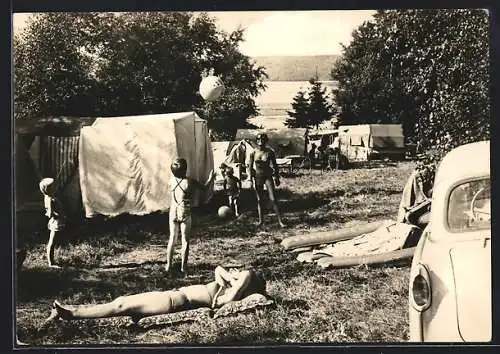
(319, 109)
(299, 117)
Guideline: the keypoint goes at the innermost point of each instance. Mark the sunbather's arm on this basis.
(222, 276)
(239, 284)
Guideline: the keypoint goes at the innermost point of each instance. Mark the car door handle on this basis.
(485, 242)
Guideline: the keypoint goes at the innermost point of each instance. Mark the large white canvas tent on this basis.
(370, 141)
(125, 161)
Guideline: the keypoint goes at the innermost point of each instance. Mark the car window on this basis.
(469, 206)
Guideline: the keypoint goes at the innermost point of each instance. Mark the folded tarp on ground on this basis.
(326, 237)
(125, 161)
(389, 237)
(404, 254)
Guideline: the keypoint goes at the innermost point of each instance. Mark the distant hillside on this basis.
(297, 68)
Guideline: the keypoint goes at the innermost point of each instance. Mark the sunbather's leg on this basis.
(137, 306)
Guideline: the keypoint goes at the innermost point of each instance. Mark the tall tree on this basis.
(426, 69)
(51, 76)
(299, 116)
(131, 64)
(319, 109)
(310, 109)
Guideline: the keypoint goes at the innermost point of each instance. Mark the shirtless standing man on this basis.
(265, 173)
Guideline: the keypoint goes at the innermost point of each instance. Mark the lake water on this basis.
(277, 98)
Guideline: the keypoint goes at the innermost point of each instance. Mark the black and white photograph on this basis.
(251, 178)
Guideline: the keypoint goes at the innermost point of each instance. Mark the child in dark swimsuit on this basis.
(265, 173)
(180, 219)
(232, 187)
(54, 211)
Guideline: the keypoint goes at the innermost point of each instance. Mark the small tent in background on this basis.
(365, 142)
(234, 154)
(125, 161)
(284, 141)
(238, 152)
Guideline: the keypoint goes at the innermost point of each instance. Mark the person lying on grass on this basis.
(228, 286)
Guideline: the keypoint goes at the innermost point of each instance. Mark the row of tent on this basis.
(357, 143)
(363, 142)
(108, 166)
(285, 142)
(118, 165)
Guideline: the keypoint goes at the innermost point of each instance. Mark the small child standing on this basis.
(223, 168)
(55, 213)
(232, 188)
(180, 219)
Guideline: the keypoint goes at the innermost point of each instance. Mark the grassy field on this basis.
(104, 259)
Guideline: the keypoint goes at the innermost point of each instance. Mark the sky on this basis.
(282, 32)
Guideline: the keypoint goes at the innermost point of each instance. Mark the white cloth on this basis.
(388, 237)
(125, 162)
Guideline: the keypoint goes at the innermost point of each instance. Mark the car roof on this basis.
(466, 161)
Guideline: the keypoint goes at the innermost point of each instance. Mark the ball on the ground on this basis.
(225, 212)
(211, 88)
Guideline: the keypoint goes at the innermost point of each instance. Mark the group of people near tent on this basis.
(325, 157)
(228, 286)
(264, 172)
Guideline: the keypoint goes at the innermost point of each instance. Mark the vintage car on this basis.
(450, 280)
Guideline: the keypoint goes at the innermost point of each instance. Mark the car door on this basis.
(469, 223)
(471, 264)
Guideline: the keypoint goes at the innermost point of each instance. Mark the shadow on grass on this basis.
(366, 165)
(102, 282)
(132, 229)
(239, 335)
(34, 284)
